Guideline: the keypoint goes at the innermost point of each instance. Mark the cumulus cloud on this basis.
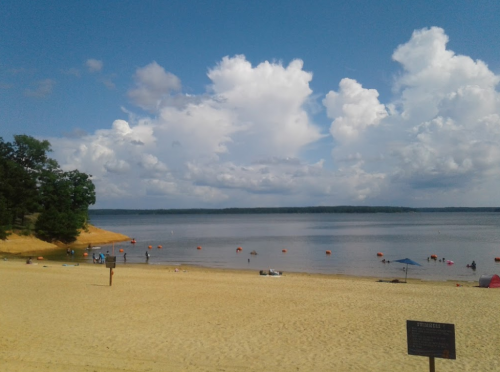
(354, 109)
(250, 140)
(94, 65)
(153, 85)
(450, 105)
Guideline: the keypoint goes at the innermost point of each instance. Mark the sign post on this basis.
(434, 340)
(111, 264)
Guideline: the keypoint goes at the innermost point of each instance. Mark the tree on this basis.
(31, 182)
(65, 197)
(5, 219)
(55, 225)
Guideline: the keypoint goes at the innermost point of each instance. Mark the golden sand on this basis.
(17, 244)
(68, 318)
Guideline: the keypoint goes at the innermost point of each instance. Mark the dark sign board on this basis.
(110, 262)
(431, 339)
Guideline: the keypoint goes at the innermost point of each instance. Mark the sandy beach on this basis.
(68, 318)
(24, 245)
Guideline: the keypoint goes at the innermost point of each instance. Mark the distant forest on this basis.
(338, 209)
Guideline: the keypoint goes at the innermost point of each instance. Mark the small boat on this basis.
(93, 248)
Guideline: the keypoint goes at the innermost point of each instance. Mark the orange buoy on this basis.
(39, 258)
(160, 247)
(284, 250)
(150, 247)
(380, 254)
(434, 256)
(328, 252)
(239, 249)
(132, 241)
(121, 250)
(85, 254)
(198, 247)
(497, 259)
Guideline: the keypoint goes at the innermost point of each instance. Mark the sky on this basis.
(216, 104)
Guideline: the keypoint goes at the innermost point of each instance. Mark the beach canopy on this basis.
(489, 281)
(407, 261)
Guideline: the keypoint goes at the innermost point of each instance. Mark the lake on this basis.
(353, 239)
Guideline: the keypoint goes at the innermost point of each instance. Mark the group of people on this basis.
(99, 259)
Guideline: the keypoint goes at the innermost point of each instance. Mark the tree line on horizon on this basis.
(277, 210)
(37, 196)
(290, 210)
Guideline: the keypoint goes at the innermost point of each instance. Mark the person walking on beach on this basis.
(147, 256)
(125, 257)
(94, 259)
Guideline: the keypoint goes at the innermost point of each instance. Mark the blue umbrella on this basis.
(407, 261)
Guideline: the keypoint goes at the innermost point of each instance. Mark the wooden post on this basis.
(110, 277)
(432, 367)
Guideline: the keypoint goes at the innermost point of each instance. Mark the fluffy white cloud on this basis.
(354, 109)
(450, 106)
(249, 113)
(268, 102)
(153, 87)
(250, 141)
(433, 74)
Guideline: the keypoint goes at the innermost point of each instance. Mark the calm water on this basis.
(353, 239)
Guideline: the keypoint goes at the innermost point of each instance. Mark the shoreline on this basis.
(152, 318)
(25, 245)
(253, 272)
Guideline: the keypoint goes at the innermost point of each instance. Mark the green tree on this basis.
(55, 225)
(5, 219)
(31, 182)
(65, 198)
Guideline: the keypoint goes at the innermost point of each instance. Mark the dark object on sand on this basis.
(271, 272)
(390, 281)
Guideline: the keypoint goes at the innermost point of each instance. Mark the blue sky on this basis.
(185, 104)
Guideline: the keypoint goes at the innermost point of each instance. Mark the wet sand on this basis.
(68, 318)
